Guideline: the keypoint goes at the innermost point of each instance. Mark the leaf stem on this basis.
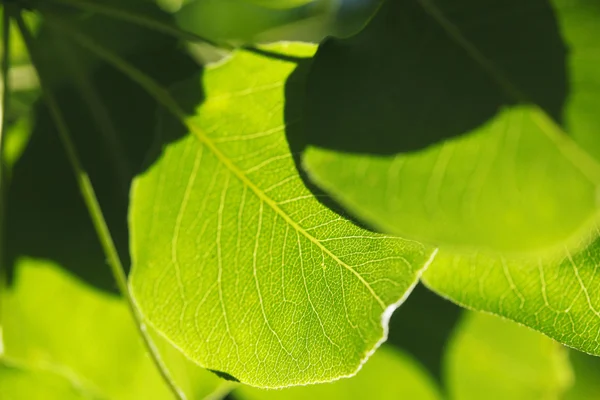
(139, 19)
(91, 201)
(221, 391)
(152, 24)
(100, 115)
(4, 98)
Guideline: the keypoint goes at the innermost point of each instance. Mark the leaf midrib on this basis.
(164, 98)
(239, 174)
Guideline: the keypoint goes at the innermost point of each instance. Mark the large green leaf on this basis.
(389, 374)
(477, 139)
(237, 262)
(496, 359)
(52, 322)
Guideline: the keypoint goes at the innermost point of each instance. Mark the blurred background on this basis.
(243, 21)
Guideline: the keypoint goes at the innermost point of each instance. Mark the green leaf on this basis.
(493, 358)
(389, 374)
(53, 322)
(280, 3)
(250, 21)
(587, 372)
(20, 382)
(237, 262)
(479, 140)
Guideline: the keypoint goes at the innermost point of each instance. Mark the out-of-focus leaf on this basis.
(586, 383)
(493, 359)
(238, 21)
(388, 375)
(54, 322)
(279, 4)
(422, 327)
(19, 382)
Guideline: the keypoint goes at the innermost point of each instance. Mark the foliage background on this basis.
(434, 348)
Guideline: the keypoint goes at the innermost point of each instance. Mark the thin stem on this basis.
(151, 23)
(139, 19)
(4, 86)
(91, 201)
(160, 94)
(100, 115)
(222, 390)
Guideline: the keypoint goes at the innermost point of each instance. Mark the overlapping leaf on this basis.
(475, 133)
(237, 262)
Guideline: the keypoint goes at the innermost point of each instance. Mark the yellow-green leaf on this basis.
(237, 262)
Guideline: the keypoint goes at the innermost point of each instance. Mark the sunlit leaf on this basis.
(479, 140)
(237, 262)
(388, 375)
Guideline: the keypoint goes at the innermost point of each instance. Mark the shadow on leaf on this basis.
(404, 83)
(47, 217)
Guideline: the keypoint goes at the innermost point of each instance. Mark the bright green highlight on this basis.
(492, 156)
(237, 262)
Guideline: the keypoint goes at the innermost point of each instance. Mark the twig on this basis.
(91, 201)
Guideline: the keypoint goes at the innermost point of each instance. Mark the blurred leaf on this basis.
(586, 369)
(54, 322)
(280, 3)
(389, 374)
(237, 262)
(422, 326)
(242, 21)
(496, 359)
(17, 137)
(476, 139)
(20, 382)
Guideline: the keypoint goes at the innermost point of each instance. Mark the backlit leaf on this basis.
(237, 262)
(388, 375)
(475, 133)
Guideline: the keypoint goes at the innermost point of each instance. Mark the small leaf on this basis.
(495, 359)
(237, 262)
(389, 374)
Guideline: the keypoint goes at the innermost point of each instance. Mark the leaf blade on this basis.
(274, 261)
(509, 197)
